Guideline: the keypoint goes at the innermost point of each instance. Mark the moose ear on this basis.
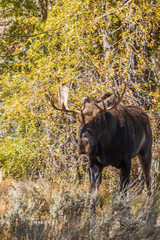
(85, 100)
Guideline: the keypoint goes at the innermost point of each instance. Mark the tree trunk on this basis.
(106, 45)
(44, 8)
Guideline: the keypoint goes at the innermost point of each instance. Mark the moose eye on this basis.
(96, 119)
(89, 113)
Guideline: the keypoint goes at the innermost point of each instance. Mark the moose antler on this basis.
(63, 96)
(105, 108)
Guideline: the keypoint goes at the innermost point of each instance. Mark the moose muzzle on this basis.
(84, 146)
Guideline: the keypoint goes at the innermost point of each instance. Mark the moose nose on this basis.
(84, 146)
(84, 136)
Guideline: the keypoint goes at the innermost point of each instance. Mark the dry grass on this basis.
(41, 210)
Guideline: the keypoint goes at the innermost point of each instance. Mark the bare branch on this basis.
(116, 10)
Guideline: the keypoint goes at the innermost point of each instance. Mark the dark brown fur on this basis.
(113, 138)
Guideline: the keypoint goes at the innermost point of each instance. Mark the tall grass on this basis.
(41, 210)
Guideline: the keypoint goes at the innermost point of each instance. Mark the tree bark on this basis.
(106, 35)
(44, 9)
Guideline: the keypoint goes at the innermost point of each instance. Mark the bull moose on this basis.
(113, 134)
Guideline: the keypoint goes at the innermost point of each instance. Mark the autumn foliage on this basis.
(92, 47)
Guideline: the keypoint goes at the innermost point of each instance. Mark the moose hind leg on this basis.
(95, 174)
(145, 160)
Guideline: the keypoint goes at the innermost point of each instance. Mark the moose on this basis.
(112, 134)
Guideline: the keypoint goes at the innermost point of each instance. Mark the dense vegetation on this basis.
(91, 46)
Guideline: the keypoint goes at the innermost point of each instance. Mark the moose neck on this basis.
(110, 124)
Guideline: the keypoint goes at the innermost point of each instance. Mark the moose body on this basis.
(111, 135)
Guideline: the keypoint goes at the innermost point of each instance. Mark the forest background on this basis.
(92, 47)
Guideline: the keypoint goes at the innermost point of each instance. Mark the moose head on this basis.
(94, 122)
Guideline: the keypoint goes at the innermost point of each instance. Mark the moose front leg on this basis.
(95, 174)
(125, 175)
